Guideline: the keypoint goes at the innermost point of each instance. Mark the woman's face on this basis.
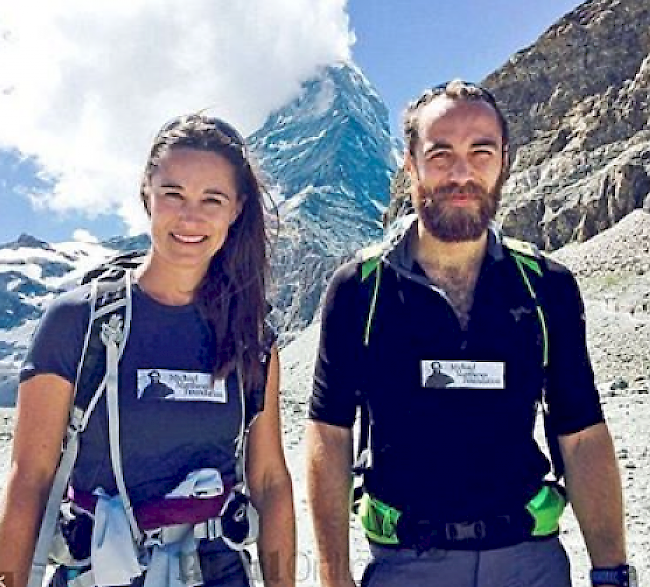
(193, 201)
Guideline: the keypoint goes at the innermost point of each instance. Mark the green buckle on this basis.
(378, 519)
(546, 508)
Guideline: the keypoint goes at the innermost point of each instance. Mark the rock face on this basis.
(578, 102)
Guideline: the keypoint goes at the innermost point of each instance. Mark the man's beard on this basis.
(450, 223)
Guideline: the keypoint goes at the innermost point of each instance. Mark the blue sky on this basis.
(407, 45)
(79, 105)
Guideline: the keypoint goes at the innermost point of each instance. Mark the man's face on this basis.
(457, 168)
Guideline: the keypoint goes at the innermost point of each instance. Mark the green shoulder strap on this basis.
(530, 262)
(528, 259)
(371, 264)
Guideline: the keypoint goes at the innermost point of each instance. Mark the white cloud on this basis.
(81, 235)
(84, 86)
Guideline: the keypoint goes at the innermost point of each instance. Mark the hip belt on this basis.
(388, 526)
(165, 511)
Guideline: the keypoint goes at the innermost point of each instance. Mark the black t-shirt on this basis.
(174, 418)
(454, 410)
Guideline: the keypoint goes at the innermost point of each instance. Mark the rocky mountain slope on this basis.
(578, 101)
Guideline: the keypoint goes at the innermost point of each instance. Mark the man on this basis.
(454, 490)
(436, 378)
(156, 388)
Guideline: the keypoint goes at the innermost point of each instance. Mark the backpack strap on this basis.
(52, 507)
(244, 427)
(371, 266)
(114, 334)
(370, 278)
(531, 265)
(110, 307)
(113, 268)
(528, 259)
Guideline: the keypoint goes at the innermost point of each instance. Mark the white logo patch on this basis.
(466, 374)
(180, 386)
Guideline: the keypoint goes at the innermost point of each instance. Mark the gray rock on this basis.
(646, 204)
(577, 102)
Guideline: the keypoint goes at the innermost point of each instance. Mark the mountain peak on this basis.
(27, 241)
(331, 155)
(335, 133)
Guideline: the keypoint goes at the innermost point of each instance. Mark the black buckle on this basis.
(494, 532)
(463, 531)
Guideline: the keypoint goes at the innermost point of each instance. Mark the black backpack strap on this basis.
(113, 268)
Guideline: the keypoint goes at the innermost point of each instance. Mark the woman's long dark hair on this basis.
(232, 293)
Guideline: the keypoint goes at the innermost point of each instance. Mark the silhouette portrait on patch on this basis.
(156, 388)
(437, 378)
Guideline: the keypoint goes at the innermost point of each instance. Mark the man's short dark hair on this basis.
(456, 90)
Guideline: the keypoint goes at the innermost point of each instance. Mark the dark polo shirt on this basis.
(463, 449)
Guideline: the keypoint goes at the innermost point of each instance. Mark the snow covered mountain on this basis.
(331, 155)
(32, 273)
(328, 155)
(331, 152)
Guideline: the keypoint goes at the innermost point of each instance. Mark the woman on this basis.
(198, 365)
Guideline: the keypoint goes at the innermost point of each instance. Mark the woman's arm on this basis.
(42, 417)
(270, 487)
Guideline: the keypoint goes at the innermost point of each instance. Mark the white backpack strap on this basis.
(114, 335)
(51, 514)
(63, 471)
(78, 421)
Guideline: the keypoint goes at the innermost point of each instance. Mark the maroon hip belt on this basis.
(166, 511)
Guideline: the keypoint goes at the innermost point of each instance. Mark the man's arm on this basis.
(329, 462)
(594, 488)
